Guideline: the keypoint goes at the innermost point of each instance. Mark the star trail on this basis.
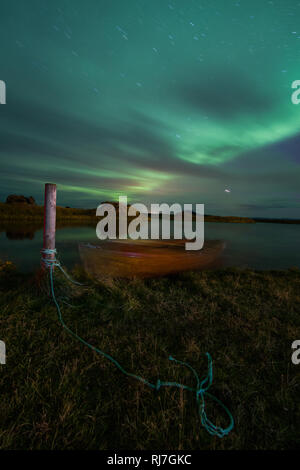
(183, 101)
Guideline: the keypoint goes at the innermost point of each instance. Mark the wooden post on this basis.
(49, 219)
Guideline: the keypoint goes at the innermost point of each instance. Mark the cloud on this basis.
(290, 147)
(223, 94)
(140, 143)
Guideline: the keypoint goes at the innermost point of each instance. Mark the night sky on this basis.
(163, 101)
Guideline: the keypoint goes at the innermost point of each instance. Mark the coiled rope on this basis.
(202, 386)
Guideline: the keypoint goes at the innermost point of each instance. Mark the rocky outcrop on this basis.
(16, 199)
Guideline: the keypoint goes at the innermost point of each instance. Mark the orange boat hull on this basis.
(145, 258)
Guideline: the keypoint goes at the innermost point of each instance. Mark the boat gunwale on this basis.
(162, 251)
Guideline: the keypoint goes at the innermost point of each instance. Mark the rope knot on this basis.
(49, 262)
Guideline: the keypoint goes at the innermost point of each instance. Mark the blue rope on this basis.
(200, 389)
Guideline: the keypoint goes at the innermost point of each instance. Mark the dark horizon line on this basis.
(256, 218)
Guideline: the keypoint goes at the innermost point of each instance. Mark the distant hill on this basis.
(277, 221)
(20, 199)
(228, 219)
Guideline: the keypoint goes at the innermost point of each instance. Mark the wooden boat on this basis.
(145, 258)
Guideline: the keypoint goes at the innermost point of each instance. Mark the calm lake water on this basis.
(259, 246)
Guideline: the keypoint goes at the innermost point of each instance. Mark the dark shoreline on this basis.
(34, 213)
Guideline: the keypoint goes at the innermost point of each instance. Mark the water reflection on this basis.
(260, 246)
(19, 232)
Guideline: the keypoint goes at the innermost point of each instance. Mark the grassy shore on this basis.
(31, 213)
(58, 394)
(34, 213)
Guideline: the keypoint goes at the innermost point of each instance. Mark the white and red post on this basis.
(49, 221)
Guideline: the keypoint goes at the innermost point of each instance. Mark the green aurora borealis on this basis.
(162, 101)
